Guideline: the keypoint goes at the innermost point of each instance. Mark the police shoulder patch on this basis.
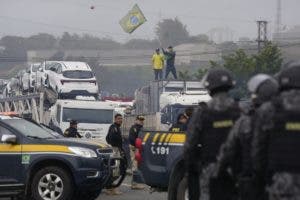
(292, 126)
(223, 124)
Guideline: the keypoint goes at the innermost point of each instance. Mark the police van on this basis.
(40, 164)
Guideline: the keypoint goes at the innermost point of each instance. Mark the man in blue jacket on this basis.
(170, 59)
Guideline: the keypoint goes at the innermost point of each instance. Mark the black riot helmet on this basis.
(262, 88)
(218, 80)
(288, 77)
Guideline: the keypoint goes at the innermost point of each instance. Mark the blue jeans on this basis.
(171, 69)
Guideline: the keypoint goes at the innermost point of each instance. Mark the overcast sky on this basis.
(26, 17)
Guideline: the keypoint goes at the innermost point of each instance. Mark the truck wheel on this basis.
(182, 192)
(177, 189)
(52, 183)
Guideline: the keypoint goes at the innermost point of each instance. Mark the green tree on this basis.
(244, 66)
(201, 38)
(172, 32)
(269, 59)
(200, 73)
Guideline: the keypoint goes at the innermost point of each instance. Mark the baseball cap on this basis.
(140, 117)
(73, 122)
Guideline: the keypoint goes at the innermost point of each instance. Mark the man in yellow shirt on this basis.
(158, 64)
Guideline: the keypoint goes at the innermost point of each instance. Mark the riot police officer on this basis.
(72, 130)
(276, 142)
(208, 130)
(235, 153)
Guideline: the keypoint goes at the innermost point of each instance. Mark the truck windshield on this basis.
(28, 129)
(92, 116)
(78, 74)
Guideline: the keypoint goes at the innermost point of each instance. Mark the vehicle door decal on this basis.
(45, 148)
(10, 148)
(155, 138)
(146, 137)
(7, 148)
(161, 140)
(25, 159)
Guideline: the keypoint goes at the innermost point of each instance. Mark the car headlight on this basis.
(83, 152)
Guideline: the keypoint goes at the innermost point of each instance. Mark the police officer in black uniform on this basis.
(133, 135)
(276, 142)
(115, 139)
(72, 130)
(208, 130)
(235, 153)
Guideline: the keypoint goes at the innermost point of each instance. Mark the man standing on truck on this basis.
(114, 138)
(133, 134)
(158, 64)
(170, 59)
(72, 130)
(208, 130)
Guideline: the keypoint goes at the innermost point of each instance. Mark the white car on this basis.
(34, 76)
(25, 81)
(11, 88)
(43, 73)
(71, 79)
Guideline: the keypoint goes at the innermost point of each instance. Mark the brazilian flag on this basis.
(133, 19)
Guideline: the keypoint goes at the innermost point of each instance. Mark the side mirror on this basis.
(52, 69)
(9, 139)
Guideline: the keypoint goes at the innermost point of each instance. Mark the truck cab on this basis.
(94, 117)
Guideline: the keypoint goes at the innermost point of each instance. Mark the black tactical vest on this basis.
(216, 126)
(284, 142)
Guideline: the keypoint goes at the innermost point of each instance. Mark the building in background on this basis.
(197, 54)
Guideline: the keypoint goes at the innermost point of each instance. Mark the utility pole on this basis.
(262, 34)
(278, 17)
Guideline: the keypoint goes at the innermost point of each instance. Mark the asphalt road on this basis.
(129, 194)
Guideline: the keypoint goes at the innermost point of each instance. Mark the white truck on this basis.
(94, 117)
(167, 99)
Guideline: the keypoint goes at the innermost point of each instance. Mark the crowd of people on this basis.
(247, 154)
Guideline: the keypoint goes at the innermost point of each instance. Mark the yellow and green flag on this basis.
(133, 19)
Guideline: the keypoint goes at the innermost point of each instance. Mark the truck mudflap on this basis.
(117, 171)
